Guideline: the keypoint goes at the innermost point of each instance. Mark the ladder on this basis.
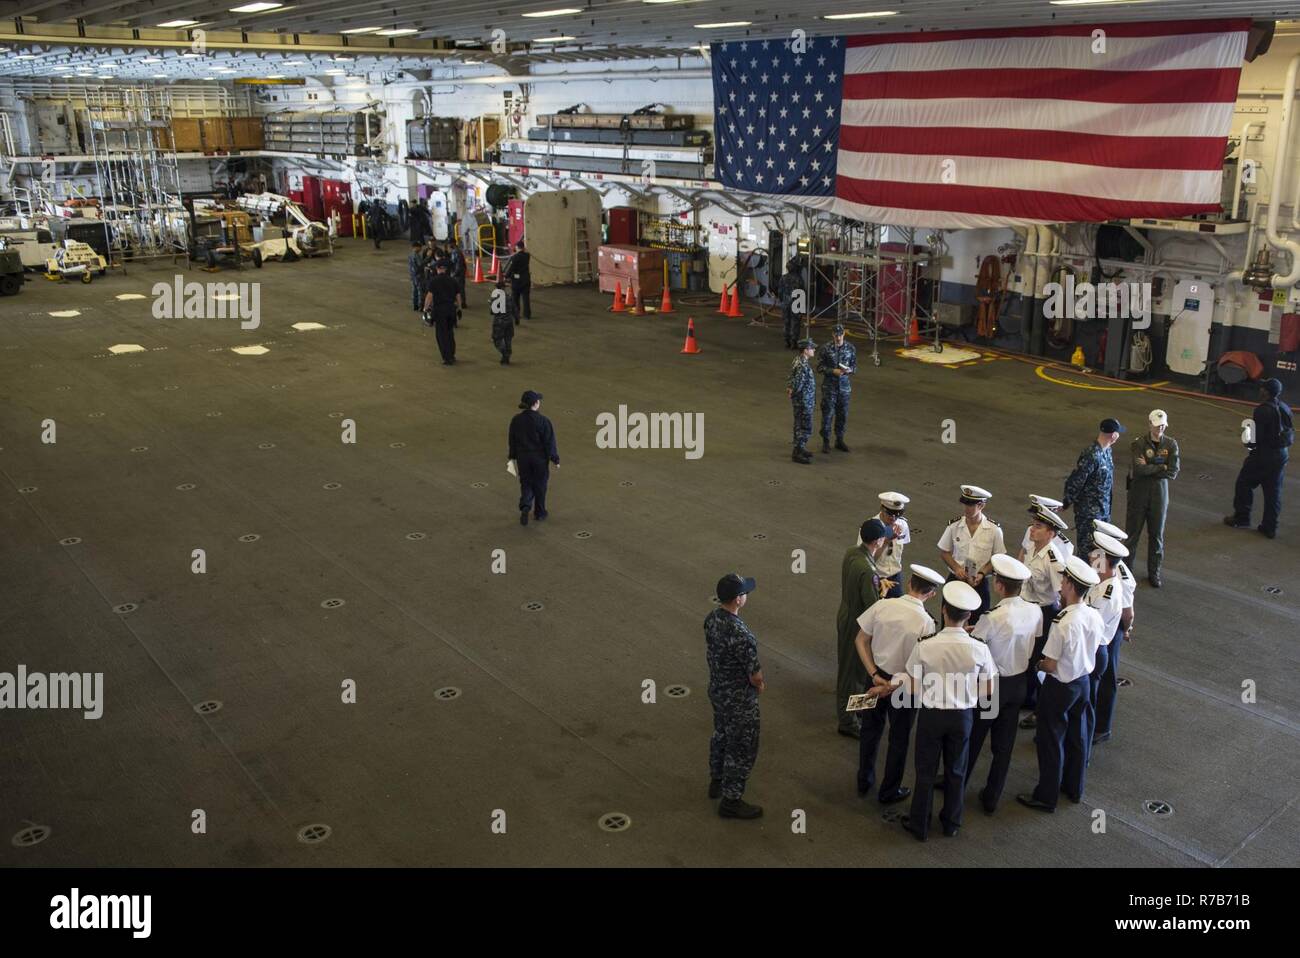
(581, 251)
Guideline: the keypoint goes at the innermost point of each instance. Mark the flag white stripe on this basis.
(922, 219)
(1197, 51)
(1075, 116)
(1075, 179)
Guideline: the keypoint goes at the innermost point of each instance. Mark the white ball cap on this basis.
(926, 573)
(1114, 531)
(1158, 417)
(1046, 501)
(1010, 568)
(1110, 545)
(975, 492)
(961, 596)
(1080, 571)
(894, 501)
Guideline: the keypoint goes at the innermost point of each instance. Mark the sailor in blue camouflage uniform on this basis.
(801, 387)
(735, 680)
(789, 286)
(1088, 488)
(836, 361)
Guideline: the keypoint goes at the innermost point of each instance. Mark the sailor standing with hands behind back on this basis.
(969, 543)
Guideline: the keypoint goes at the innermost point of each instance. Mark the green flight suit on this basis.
(1148, 496)
(859, 590)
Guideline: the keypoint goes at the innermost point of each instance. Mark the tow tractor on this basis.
(11, 270)
(75, 259)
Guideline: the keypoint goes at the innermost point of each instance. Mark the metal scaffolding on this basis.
(137, 173)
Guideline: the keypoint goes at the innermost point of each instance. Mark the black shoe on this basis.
(1030, 802)
(446, 362)
(797, 456)
(541, 516)
(523, 517)
(504, 361)
(1074, 798)
(1155, 580)
(906, 822)
(839, 444)
(715, 788)
(1103, 737)
(826, 445)
(738, 808)
(1267, 533)
(1029, 721)
(950, 831)
(893, 798)
(851, 731)
(1232, 521)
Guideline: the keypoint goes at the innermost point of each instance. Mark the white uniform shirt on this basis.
(1072, 641)
(894, 626)
(1128, 583)
(972, 552)
(947, 668)
(1046, 566)
(1009, 629)
(890, 562)
(1063, 546)
(1107, 597)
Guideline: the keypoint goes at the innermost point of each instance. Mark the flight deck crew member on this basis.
(1010, 630)
(969, 542)
(1270, 442)
(860, 589)
(1110, 598)
(887, 631)
(1062, 542)
(415, 269)
(1046, 563)
(892, 505)
(735, 681)
(532, 446)
(1155, 465)
(790, 284)
(948, 673)
(441, 299)
(1063, 738)
(1088, 489)
(836, 361)
(801, 387)
(521, 281)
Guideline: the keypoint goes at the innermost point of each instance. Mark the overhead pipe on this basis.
(1241, 158)
(1281, 154)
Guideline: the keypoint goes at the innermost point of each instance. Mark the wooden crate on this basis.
(216, 133)
(615, 121)
(187, 135)
(246, 132)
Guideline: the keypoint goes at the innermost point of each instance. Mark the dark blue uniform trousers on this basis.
(1001, 731)
(1263, 468)
(733, 749)
(1063, 738)
(946, 733)
(900, 718)
(1107, 684)
(896, 589)
(1031, 683)
(534, 474)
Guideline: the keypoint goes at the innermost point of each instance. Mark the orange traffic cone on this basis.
(722, 303)
(666, 305)
(637, 308)
(618, 298)
(492, 270)
(691, 347)
(914, 337)
(734, 309)
(478, 269)
(630, 300)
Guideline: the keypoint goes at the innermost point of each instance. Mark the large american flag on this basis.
(975, 128)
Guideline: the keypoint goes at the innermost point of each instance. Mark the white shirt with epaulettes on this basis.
(950, 652)
(1072, 640)
(1107, 597)
(890, 562)
(1063, 545)
(1046, 566)
(1009, 629)
(894, 626)
(972, 552)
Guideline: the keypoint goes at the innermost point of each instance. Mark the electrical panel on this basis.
(1192, 312)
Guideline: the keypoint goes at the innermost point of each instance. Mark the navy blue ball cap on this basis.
(1112, 425)
(528, 398)
(874, 529)
(733, 584)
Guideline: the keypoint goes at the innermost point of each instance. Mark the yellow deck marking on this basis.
(1039, 370)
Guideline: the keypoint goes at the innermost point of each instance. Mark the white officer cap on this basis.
(1110, 545)
(1101, 525)
(1046, 515)
(1081, 572)
(961, 596)
(975, 494)
(894, 501)
(1010, 568)
(1046, 502)
(1158, 417)
(926, 573)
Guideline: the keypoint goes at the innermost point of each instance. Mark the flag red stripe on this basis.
(1012, 204)
(1096, 86)
(1174, 28)
(1126, 152)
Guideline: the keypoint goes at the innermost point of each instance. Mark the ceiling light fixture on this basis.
(564, 11)
(362, 30)
(177, 23)
(553, 39)
(861, 16)
(396, 32)
(1092, 3)
(255, 7)
(720, 26)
